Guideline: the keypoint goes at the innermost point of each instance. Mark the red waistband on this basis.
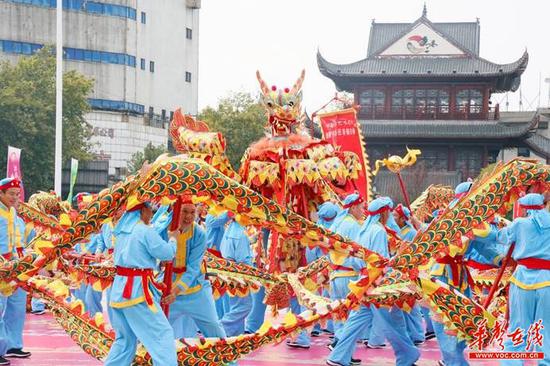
(179, 270)
(146, 275)
(110, 251)
(534, 263)
(457, 263)
(480, 266)
(215, 252)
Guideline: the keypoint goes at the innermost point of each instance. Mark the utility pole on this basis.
(58, 97)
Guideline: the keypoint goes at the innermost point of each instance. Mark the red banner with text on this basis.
(341, 128)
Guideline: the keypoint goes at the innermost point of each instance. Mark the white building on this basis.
(142, 54)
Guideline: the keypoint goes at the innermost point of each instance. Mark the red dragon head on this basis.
(282, 105)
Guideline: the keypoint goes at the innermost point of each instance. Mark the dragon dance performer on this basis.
(137, 313)
(12, 306)
(235, 246)
(529, 294)
(215, 228)
(452, 270)
(375, 237)
(191, 293)
(407, 232)
(345, 269)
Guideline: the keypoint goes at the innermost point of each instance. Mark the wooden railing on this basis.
(429, 113)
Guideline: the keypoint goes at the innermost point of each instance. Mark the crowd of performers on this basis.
(143, 236)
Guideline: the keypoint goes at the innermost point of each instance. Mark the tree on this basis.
(149, 153)
(27, 116)
(240, 118)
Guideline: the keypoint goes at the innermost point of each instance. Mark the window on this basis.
(371, 100)
(151, 66)
(188, 76)
(171, 115)
(163, 114)
(94, 7)
(469, 101)
(78, 54)
(116, 105)
(151, 112)
(524, 152)
(24, 48)
(429, 102)
(143, 17)
(188, 33)
(143, 64)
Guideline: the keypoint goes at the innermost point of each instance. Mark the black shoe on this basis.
(17, 353)
(376, 346)
(440, 363)
(38, 312)
(355, 361)
(315, 333)
(294, 344)
(334, 363)
(331, 346)
(327, 332)
(3, 361)
(418, 343)
(429, 335)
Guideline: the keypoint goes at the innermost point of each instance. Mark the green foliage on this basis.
(149, 153)
(27, 116)
(240, 118)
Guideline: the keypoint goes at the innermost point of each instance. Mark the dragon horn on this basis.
(263, 85)
(298, 85)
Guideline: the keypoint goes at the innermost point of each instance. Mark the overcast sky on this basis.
(281, 37)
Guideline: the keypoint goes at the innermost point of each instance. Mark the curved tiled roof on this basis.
(447, 129)
(540, 144)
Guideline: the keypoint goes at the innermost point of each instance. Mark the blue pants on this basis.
(427, 319)
(138, 322)
(233, 320)
(452, 350)
(255, 318)
(185, 327)
(80, 293)
(339, 290)
(13, 309)
(374, 331)
(93, 301)
(526, 308)
(415, 327)
(37, 304)
(222, 305)
(303, 338)
(200, 307)
(352, 330)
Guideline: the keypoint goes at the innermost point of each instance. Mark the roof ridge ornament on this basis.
(425, 11)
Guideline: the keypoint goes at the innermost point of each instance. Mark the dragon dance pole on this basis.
(168, 265)
(503, 267)
(404, 191)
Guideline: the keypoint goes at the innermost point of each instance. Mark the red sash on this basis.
(479, 266)
(456, 263)
(146, 274)
(337, 267)
(534, 263)
(179, 270)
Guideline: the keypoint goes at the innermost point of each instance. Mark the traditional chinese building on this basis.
(424, 85)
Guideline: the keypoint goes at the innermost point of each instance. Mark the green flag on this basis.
(74, 172)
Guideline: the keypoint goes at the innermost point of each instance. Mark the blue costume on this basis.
(137, 314)
(215, 228)
(529, 294)
(374, 237)
(452, 350)
(195, 299)
(102, 243)
(413, 318)
(345, 269)
(12, 307)
(235, 246)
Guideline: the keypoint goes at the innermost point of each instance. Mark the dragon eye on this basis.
(269, 104)
(291, 103)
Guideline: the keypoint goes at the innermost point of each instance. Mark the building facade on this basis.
(142, 55)
(424, 85)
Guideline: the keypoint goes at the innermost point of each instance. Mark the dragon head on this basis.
(282, 105)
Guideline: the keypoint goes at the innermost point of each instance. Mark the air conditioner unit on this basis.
(193, 4)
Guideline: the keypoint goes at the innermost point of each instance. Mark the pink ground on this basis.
(52, 347)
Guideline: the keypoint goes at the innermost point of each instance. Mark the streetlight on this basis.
(58, 96)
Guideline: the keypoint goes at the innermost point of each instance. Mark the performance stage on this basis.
(51, 346)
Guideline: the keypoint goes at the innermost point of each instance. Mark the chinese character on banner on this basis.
(534, 337)
(499, 331)
(480, 336)
(14, 167)
(341, 128)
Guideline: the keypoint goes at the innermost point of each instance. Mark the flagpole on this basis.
(58, 96)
